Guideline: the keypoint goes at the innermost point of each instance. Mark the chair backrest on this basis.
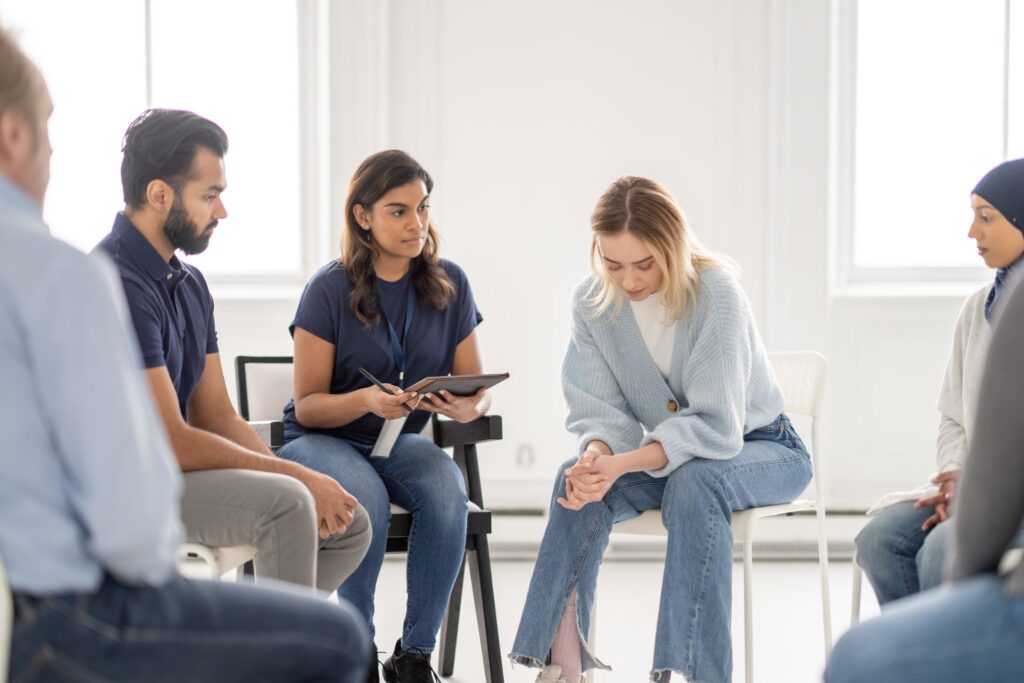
(6, 622)
(264, 386)
(801, 376)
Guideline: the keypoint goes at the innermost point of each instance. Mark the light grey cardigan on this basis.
(720, 386)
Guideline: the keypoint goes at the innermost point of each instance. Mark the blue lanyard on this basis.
(398, 345)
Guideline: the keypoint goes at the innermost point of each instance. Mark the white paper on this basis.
(387, 437)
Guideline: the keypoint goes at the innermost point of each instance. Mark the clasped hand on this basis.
(941, 500)
(589, 479)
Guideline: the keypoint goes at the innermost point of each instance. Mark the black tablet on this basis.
(460, 385)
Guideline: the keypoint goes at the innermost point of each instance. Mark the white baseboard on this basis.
(517, 537)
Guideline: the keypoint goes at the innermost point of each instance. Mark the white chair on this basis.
(217, 560)
(801, 376)
(6, 623)
(858, 574)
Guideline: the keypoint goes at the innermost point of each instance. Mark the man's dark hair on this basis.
(161, 145)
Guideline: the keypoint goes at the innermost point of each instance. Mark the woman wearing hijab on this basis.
(904, 548)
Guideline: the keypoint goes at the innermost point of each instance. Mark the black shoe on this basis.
(374, 676)
(409, 666)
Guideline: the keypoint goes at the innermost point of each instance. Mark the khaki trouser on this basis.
(276, 515)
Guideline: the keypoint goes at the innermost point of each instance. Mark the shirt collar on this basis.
(143, 253)
(15, 201)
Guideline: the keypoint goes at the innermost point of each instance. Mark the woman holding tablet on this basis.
(389, 305)
(674, 406)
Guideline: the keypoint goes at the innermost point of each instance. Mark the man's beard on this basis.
(183, 233)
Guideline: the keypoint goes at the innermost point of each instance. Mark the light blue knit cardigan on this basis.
(720, 382)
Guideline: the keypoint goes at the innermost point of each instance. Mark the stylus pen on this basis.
(367, 375)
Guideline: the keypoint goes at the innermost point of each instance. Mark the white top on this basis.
(659, 337)
(958, 397)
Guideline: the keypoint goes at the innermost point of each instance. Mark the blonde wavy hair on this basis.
(645, 209)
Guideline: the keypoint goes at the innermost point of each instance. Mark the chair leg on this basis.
(486, 618)
(855, 600)
(592, 638)
(450, 627)
(748, 610)
(826, 591)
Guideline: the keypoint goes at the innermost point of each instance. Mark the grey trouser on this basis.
(275, 514)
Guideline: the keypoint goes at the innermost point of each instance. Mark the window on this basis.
(931, 97)
(240, 71)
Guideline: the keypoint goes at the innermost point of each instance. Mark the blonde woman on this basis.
(674, 406)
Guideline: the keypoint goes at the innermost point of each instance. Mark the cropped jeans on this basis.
(424, 480)
(696, 501)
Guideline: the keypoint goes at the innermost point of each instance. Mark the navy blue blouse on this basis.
(429, 344)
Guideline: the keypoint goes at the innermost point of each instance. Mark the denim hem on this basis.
(597, 663)
(531, 662)
(656, 673)
(534, 663)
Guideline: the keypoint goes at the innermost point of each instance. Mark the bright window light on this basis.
(96, 73)
(929, 124)
(244, 76)
(242, 73)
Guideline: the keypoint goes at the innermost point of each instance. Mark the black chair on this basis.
(265, 385)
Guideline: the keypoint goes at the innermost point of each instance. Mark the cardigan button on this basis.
(673, 406)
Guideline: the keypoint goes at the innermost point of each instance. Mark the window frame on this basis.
(314, 170)
(849, 275)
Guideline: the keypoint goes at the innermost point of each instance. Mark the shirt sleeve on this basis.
(597, 407)
(989, 504)
(211, 333)
(211, 325)
(122, 479)
(469, 314)
(318, 309)
(147, 319)
(715, 378)
(951, 444)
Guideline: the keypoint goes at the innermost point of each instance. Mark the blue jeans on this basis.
(187, 631)
(971, 631)
(423, 479)
(696, 502)
(899, 558)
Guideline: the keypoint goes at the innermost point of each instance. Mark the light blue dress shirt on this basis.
(88, 483)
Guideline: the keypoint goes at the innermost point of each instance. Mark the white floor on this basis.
(788, 638)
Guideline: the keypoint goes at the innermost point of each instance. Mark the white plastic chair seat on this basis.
(649, 523)
(398, 509)
(219, 560)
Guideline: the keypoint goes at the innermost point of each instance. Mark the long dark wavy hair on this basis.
(375, 177)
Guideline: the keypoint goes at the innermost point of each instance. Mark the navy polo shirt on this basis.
(429, 345)
(170, 305)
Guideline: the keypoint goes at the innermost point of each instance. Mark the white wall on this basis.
(524, 112)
